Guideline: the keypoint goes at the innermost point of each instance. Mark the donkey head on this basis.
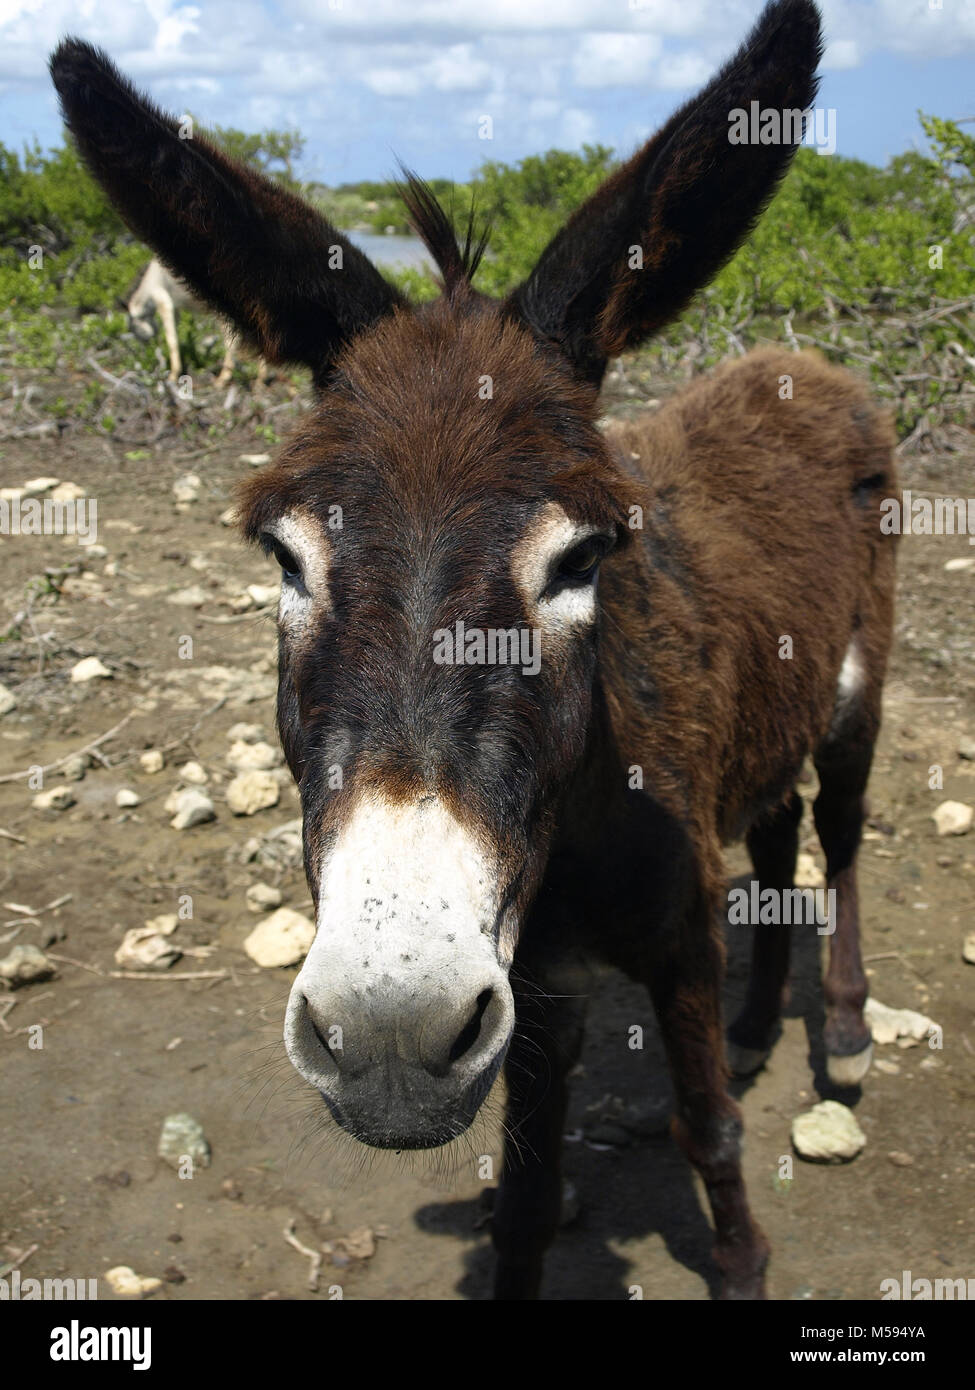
(440, 518)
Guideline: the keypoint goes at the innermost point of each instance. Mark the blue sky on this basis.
(368, 80)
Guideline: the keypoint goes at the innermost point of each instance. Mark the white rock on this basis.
(966, 562)
(828, 1133)
(152, 761)
(95, 552)
(194, 773)
(808, 872)
(261, 896)
(953, 818)
(25, 965)
(54, 799)
(11, 494)
(264, 594)
(144, 949)
(187, 487)
(243, 756)
(89, 669)
(283, 938)
(192, 808)
(245, 733)
(255, 460)
(182, 1137)
(966, 748)
(67, 492)
(968, 948)
(229, 517)
(73, 769)
(193, 597)
(8, 700)
(36, 486)
(888, 1025)
(125, 1282)
(165, 924)
(251, 792)
(125, 796)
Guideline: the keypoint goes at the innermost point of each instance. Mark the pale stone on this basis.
(89, 669)
(8, 700)
(244, 756)
(264, 594)
(255, 460)
(67, 492)
(182, 1137)
(144, 949)
(250, 792)
(54, 799)
(193, 772)
(127, 1284)
(808, 873)
(125, 797)
(828, 1133)
(245, 733)
(187, 487)
(284, 938)
(152, 761)
(889, 1025)
(953, 818)
(192, 808)
(261, 896)
(25, 965)
(193, 597)
(35, 486)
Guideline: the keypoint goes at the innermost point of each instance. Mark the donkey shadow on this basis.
(647, 1188)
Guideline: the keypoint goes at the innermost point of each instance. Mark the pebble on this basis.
(125, 796)
(254, 791)
(966, 749)
(899, 1159)
(36, 486)
(255, 460)
(261, 896)
(808, 873)
(264, 594)
(193, 597)
(74, 769)
(953, 818)
(182, 1137)
(245, 733)
(187, 487)
(152, 761)
(888, 1025)
(144, 949)
(67, 492)
(25, 965)
(284, 938)
(828, 1133)
(54, 799)
(193, 772)
(192, 808)
(968, 948)
(8, 700)
(229, 517)
(244, 756)
(89, 669)
(966, 562)
(124, 1281)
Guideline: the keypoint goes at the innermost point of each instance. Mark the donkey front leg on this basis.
(686, 992)
(528, 1204)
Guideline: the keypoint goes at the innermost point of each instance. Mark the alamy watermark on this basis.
(783, 907)
(928, 516)
(921, 1290)
(19, 1290)
(492, 646)
(767, 125)
(34, 516)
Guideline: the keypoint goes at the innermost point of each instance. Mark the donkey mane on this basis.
(456, 262)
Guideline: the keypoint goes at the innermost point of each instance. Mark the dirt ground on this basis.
(81, 1186)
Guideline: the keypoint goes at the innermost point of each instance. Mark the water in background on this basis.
(407, 251)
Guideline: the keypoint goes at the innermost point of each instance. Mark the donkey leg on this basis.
(773, 843)
(229, 357)
(686, 993)
(839, 812)
(167, 317)
(528, 1204)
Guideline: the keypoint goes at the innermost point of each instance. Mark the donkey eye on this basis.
(290, 566)
(580, 563)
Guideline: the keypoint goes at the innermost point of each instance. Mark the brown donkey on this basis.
(504, 767)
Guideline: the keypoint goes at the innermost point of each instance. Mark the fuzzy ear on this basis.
(631, 257)
(290, 283)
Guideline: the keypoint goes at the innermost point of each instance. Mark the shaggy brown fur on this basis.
(741, 622)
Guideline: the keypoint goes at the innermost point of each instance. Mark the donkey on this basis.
(476, 828)
(159, 292)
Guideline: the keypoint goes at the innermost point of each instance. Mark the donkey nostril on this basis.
(470, 1032)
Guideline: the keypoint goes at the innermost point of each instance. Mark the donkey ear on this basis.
(679, 208)
(285, 278)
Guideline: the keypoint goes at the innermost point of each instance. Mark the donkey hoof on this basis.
(745, 1061)
(850, 1070)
